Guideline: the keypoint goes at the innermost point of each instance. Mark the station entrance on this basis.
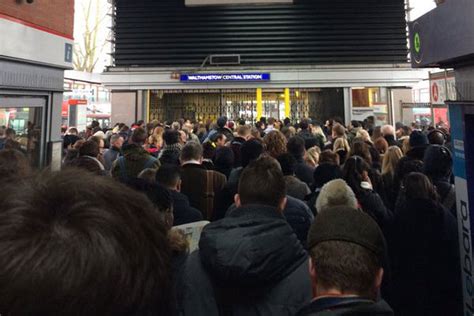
(248, 104)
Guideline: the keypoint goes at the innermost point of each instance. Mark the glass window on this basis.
(370, 102)
(25, 117)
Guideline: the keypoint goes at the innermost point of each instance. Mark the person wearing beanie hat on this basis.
(418, 144)
(438, 167)
(347, 250)
(335, 193)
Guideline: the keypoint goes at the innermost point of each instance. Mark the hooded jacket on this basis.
(135, 160)
(249, 263)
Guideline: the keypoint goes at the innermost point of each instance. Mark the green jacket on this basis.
(134, 160)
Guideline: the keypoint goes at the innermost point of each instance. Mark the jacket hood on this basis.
(134, 152)
(254, 247)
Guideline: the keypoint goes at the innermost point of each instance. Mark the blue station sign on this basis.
(225, 77)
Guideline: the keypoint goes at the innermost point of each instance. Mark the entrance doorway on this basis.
(204, 105)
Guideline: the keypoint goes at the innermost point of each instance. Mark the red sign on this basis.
(435, 92)
(65, 109)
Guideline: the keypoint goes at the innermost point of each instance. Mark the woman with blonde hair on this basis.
(155, 141)
(389, 165)
(317, 130)
(342, 148)
(275, 143)
(363, 135)
(312, 156)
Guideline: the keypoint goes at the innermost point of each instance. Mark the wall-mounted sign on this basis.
(225, 77)
(438, 90)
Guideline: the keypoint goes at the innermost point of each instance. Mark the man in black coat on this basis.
(250, 262)
(243, 134)
(296, 147)
(347, 249)
(169, 176)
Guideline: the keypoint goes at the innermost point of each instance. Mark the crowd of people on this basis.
(301, 219)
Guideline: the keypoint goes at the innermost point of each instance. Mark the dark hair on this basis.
(353, 173)
(70, 140)
(224, 159)
(296, 146)
(330, 157)
(101, 250)
(250, 151)
(404, 167)
(86, 163)
(324, 173)
(216, 137)
(437, 137)
(209, 150)
(13, 165)
(89, 148)
(418, 186)
(191, 151)
(361, 149)
(345, 266)
(171, 137)
(139, 136)
(262, 182)
(168, 175)
(156, 193)
(304, 124)
(287, 164)
(438, 162)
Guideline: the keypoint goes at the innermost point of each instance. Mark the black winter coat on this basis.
(299, 216)
(183, 212)
(304, 172)
(423, 247)
(249, 263)
(372, 204)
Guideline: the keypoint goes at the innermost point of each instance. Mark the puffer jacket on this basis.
(249, 263)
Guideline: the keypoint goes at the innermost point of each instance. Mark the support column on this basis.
(347, 105)
(259, 103)
(147, 107)
(287, 103)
